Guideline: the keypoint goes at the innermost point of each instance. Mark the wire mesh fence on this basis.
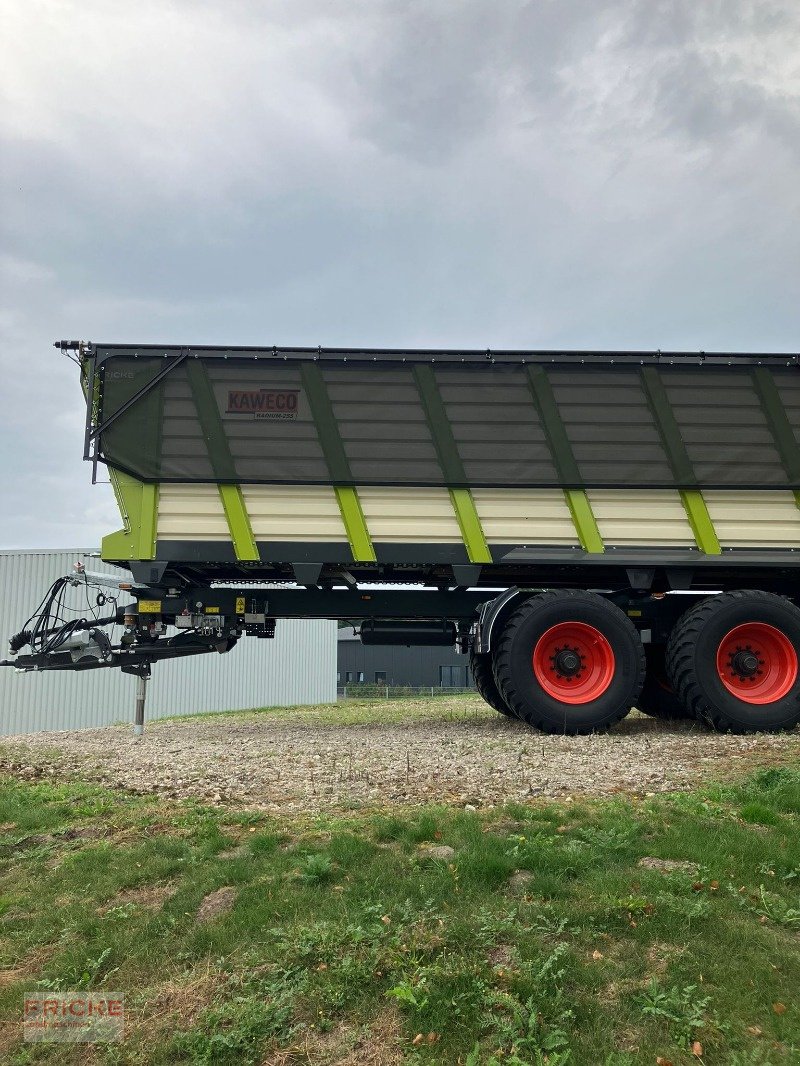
(369, 691)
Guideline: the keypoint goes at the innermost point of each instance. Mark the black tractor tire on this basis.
(705, 631)
(481, 665)
(529, 699)
(658, 698)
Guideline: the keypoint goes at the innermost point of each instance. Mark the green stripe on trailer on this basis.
(555, 433)
(138, 504)
(338, 464)
(453, 469)
(668, 428)
(700, 521)
(554, 429)
(219, 453)
(584, 521)
(680, 463)
(779, 425)
(470, 525)
(439, 425)
(355, 524)
(148, 520)
(325, 421)
(205, 402)
(244, 543)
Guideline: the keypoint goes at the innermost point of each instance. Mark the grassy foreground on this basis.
(542, 937)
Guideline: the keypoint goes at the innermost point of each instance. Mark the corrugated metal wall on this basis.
(297, 667)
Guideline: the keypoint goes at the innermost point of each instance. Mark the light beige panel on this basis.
(191, 512)
(641, 516)
(410, 514)
(754, 519)
(294, 512)
(524, 516)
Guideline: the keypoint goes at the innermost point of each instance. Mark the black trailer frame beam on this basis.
(322, 603)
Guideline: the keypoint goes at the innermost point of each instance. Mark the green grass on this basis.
(442, 705)
(540, 940)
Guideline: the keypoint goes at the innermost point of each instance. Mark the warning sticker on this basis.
(240, 605)
(149, 606)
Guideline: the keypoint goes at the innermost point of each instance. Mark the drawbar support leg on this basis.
(138, 717)
(141, 671)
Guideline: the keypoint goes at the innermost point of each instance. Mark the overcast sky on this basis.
(570, 173)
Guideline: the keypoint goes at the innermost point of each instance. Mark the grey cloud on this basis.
(440, 76)
(466, 173)
(435, 83)
(711, 66)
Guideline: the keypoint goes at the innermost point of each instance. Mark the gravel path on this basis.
(454, 751)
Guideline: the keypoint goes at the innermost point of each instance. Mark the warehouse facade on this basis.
(398, 665)
(297, 667)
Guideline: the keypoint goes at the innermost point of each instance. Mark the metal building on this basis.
(398, 665)
(297, 667)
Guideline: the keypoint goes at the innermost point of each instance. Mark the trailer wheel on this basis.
(481, 666)
(569, 662)
(733, 660)
(658, 698)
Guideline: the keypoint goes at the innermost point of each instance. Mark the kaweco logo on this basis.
(263, 403)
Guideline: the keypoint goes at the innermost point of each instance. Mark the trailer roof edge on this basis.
(446, 355)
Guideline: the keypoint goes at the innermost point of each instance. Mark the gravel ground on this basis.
(450, 750)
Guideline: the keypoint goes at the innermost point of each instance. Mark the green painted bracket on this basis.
(244, 542)
(138, 504)
(338, 464)
(700, 520)
(555, 432)
(681, 465)
(779, 425)
(453, 469)
(469, 523)
(584, 521)
(355, 524)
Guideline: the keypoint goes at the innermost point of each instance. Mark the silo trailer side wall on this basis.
(263, 456)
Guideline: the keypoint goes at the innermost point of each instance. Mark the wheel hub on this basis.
(573, 662)
(757, 663)
(567, 662)
(745, 663)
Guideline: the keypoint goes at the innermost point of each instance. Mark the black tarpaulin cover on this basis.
(414, 419)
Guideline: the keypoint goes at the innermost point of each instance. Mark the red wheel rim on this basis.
(573, 662)
(757, 663)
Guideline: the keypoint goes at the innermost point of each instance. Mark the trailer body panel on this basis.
(389, 459)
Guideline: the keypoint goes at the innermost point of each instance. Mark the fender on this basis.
(492, 616)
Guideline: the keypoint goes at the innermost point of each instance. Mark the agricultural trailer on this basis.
(596, 530)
